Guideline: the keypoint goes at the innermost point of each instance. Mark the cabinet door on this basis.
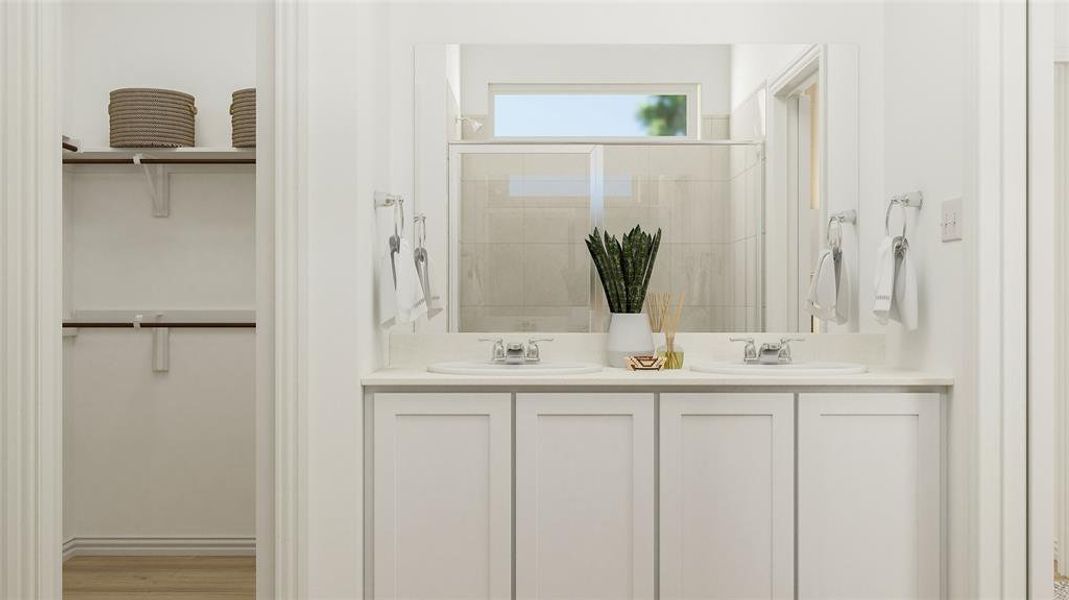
(442, 489)
(584, 496)
(869, 496)
(727, 496)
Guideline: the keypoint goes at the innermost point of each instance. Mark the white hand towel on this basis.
(823, 289)
(410, 302)
(843, 299)
(885, 280)
(387, 292)
(904, 309)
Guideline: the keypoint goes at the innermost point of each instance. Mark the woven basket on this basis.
(152, 118)
(243, 118)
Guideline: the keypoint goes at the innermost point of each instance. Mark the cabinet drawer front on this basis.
(727, 496)
(585, 496)
(443, 496)
(869, 496)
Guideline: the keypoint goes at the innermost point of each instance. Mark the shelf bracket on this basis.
(158, 179)
(161, 347)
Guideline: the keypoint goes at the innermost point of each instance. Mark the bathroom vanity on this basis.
(642, 485)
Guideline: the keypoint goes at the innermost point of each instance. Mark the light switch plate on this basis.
(951, 224)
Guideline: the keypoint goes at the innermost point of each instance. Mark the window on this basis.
(595, 111)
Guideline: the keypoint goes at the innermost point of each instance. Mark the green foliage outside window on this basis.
(664, 115)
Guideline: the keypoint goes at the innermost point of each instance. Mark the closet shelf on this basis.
(176, 318)
(162, 156)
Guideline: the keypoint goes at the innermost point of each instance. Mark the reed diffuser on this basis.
(672, 352)
(657, 305)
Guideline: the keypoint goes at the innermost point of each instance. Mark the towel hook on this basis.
(904, 201)
(837, 219)
(399, 217)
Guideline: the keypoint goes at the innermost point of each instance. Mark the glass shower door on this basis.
(519, 215)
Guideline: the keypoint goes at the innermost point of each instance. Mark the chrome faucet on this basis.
(770, 353)
(497, 351)
(749, 353)
(533, 353)
(515, 353)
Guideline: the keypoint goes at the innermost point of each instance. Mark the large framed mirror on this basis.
(745, 159)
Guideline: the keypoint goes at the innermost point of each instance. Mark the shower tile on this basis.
(473, 274)
(572, 201)
(716, 127)
(739, 191)
(661, 279)
(753, 273)
(693, 213)
(503, 224)
(694, 271)
(555, 225)
(738, 273)
(626, 162)
(503, 284)
(556, 275)
(680, 162)
(499, 192)
(719, 163)
(557, 166)
(694, 318)
(490, 166)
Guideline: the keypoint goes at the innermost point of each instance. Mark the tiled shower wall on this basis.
(523, 263)
(524, 266)
(747, 202)
(747, 240)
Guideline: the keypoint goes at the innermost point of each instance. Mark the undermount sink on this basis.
(797, 369)
(475, 367)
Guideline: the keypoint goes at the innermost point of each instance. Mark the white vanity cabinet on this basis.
(442, 496)
(585, 496)
(869, 496)
(695, 494)
(727, 496)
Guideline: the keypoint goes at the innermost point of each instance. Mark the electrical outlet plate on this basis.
(951, 224)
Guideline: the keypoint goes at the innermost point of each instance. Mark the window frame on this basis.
(691, 90)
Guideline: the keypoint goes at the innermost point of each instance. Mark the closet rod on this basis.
(74, 160)
(147, 324)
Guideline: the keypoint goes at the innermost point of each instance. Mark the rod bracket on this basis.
(161, 347)
(158, 180)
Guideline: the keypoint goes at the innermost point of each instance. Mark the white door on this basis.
(442, 488)
(727, 496)
(869, 496)
(584, 496)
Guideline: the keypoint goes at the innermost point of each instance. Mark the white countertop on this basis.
(656, 380)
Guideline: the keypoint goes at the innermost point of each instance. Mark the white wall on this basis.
(158, 454)
(708, 65)
(753, 64)
(349, 145)
(204, 49)
(930, 146)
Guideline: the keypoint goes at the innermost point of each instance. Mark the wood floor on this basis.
(159, 578)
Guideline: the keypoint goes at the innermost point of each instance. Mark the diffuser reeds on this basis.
(673, 355)
(657, 305)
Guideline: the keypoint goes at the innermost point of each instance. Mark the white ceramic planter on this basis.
(629, 335)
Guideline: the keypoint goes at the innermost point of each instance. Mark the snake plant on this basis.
(624, 267)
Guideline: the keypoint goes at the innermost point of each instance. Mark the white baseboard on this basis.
(159, 546)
